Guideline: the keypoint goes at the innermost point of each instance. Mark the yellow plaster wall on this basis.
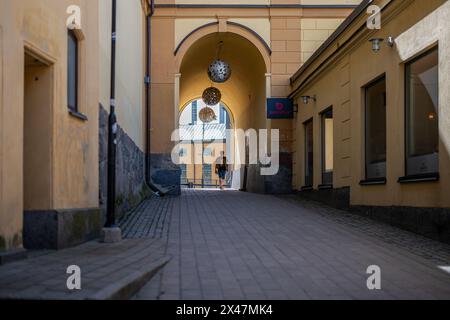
(336, 85)
(340, 84)
(314, 33)
(162, 85)
(130, 65)
(41, 25)
(185, 26)
(259, 25)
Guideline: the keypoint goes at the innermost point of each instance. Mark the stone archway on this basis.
(244, 93)
(222, 27)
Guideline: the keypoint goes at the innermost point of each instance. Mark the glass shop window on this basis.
(422, 113)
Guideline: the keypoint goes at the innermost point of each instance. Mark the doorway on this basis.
(203, 144)
(37, 137)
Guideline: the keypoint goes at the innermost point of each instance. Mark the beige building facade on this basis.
(54, 103)
(47, 150)
(131, 64)
(390, 113)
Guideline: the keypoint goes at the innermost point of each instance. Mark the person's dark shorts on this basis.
(222, 174)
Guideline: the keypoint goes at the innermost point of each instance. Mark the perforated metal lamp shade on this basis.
(207, 115)
(211, 96)
(219, 71)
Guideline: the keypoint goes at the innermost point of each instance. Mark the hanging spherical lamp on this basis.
(212, 96)
(207, 115)
(219, 71)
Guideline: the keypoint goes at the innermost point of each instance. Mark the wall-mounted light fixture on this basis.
(307, 98)
(376, 43)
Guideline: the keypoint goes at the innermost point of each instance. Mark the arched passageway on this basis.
(244, 93)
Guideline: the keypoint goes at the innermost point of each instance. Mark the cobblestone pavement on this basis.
(149, 220)
(231, 245)
(437, 252)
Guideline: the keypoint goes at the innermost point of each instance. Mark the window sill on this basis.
(373, 182)
(429, 177)
(307, 188)
(325, 187)
(78, 115)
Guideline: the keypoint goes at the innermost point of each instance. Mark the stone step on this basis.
(108, 271)
(127, 287)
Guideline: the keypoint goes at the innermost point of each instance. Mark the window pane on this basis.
(72, 71)
(327, 147)
(208, 152)
(183, 168)
(376, 130)
(309, 154)
(194, 112)
(223, 115)
(207, 174)
(422, 103)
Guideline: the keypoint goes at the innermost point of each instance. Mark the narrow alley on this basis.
(231, 245)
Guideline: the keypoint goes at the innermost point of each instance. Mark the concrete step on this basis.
(127, 287)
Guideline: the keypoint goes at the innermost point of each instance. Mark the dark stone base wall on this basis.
(130, 173)
(281, 183)
(59, 229)
(165, 173)
(255, 181)
(433, 223)
(336, 198)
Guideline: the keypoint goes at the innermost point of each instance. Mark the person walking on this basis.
(222, 170)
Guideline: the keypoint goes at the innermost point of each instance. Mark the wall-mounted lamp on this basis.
(376, 43)
(307, 98)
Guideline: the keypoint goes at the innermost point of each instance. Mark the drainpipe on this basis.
(148, 178)
(112, 130)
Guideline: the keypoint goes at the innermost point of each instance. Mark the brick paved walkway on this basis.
(149, 220)
(231, 245)
(437, 252)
